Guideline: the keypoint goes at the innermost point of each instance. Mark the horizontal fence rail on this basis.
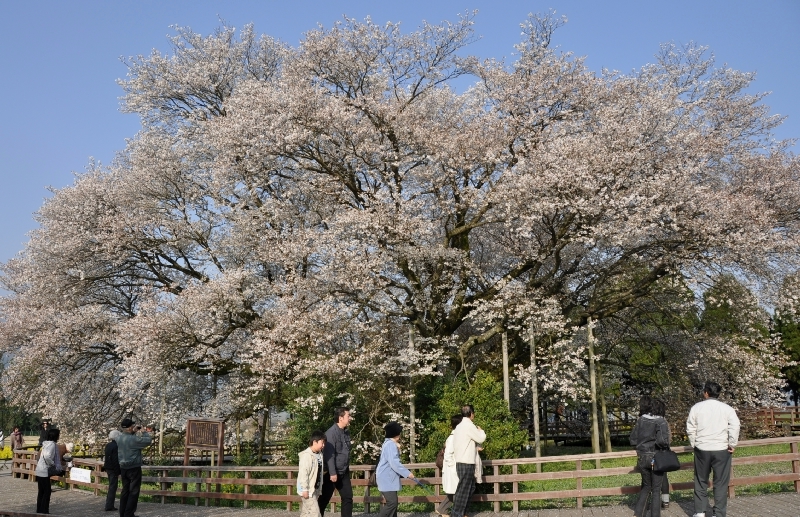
(208, 485)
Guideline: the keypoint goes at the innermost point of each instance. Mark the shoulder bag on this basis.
(665, 460)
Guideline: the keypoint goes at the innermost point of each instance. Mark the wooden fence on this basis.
(787, 417)
(208, 485)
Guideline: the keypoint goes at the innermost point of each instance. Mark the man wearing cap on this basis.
(129, 450)
(111, 467)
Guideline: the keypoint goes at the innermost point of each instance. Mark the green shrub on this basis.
(504, 438)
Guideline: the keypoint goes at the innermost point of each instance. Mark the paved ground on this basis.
(17, 495)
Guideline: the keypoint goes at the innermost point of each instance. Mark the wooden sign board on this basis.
(205, 434)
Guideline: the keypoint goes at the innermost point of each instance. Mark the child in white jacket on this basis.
(309, 476)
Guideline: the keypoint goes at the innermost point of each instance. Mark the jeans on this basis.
(131, 486)
(651, 488)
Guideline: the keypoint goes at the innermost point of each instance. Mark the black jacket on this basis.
(649, 433)
(337, 450)
(111, 463)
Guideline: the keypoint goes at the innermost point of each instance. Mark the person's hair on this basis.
(16, 428)
(467, 410)
(338, 413)
(712, 388)
(53, 434)
(645, 403)
(455, 420)
(658, 408)
(316, 436)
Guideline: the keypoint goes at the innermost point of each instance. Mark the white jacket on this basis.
(712, 426)
(449, 474)
(466, 438)
(309, 473)
(48, 456)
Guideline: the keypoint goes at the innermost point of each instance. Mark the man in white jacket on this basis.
(466, 439)
(713, 431)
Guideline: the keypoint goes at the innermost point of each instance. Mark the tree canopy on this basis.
(287, 212)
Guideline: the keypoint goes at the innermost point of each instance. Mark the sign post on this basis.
(206, 434)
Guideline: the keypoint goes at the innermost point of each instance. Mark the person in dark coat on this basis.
(651, 432)
(111, 466)
(336, 462)
(43, 432)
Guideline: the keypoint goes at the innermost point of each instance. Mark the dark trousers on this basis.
(113, 483)
(651, 488)
(445, 505)
(465, 489)
(131, 486)
(704, 463)
(43, 497)
(390, 508)
(345, 489)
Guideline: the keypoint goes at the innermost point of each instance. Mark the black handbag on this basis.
(665, 460)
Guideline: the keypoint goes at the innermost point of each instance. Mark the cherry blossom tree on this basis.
(283, 211)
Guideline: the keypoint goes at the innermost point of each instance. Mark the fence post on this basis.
(289, 492)
(515, 488)
(795, 467)
(97, 479)
(163, 485)
(366, 491)
(579, 483)
(496, 472)
(208, 488)
(246, 489)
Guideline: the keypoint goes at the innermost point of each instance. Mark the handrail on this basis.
(203, 484)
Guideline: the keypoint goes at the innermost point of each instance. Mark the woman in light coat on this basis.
(390, 470)
(449, 474)
(48, 457)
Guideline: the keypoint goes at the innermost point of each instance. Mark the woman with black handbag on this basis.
(49, 464)
(651, 432)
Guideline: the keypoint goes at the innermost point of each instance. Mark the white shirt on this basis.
(712, 426)
(466, 437)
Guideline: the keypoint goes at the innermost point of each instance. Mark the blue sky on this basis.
(59, 61)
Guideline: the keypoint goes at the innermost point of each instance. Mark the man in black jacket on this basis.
(111, 466)
(336, 460)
